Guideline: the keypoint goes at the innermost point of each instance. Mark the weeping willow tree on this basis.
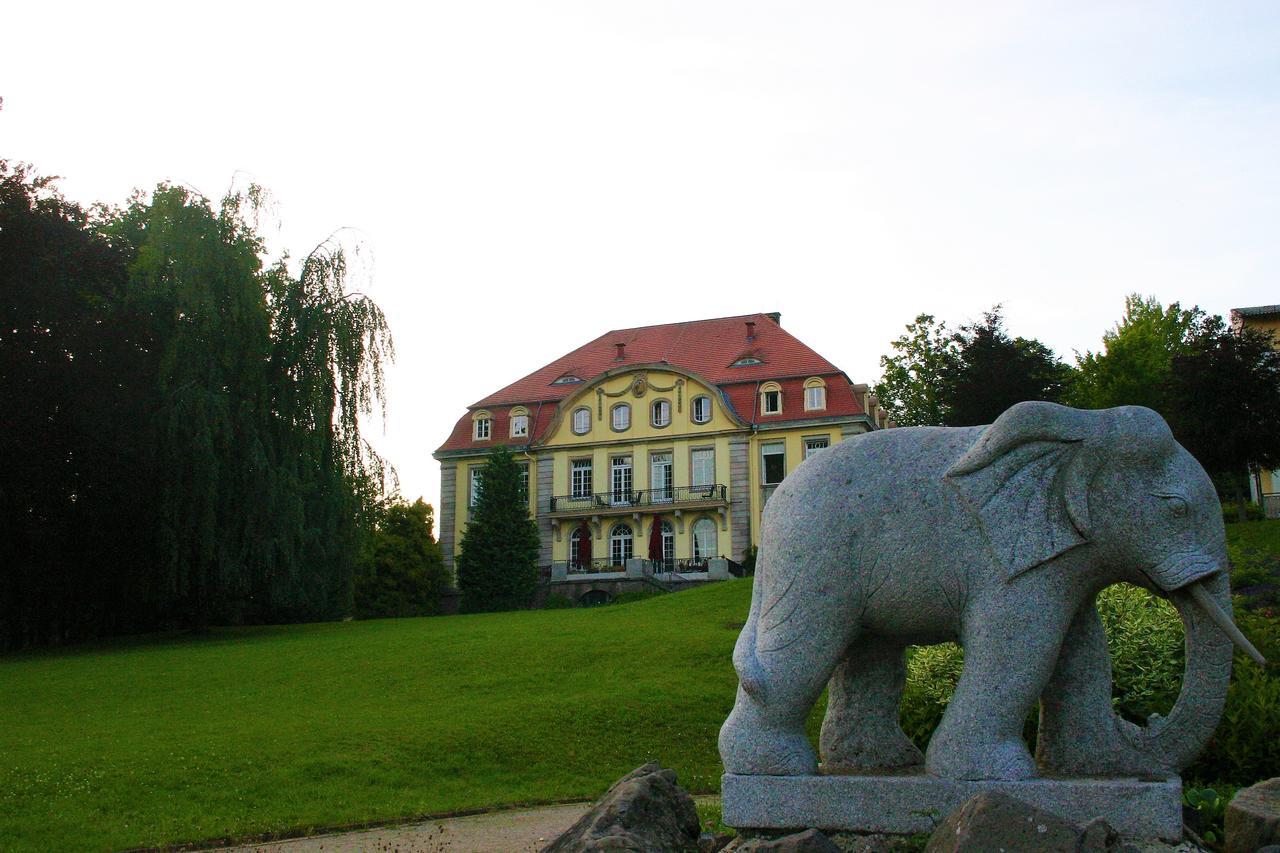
(328, 348)
(267, 484)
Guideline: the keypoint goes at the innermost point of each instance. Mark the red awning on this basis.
(655, 539)
(584, 545)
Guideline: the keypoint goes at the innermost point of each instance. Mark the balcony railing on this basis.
(604, 565)
(674, 496)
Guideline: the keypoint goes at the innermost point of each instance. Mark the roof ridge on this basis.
(685, 323)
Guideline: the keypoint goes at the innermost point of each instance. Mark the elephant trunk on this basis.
(1174, 741)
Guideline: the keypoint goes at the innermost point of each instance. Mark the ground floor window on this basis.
(578, 554)
(773, 460)
(620, 545)
(704, 539)
(813, 445)
(668, 534)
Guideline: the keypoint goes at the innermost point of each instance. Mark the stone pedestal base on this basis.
(913, 802)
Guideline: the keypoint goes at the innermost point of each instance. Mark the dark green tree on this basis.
(498, 555)
(76, 366)
(993, 371)
(1136, 360)
(911, 388)
(1224, 403)
(187, 447)
(406, 573)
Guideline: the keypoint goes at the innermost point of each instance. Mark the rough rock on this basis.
(644, 811)
(809, 841)
(993, 821)
(1253, 817)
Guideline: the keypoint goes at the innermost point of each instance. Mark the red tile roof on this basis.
(703, 347)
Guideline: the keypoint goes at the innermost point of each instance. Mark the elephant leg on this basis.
(1010, 652)
(784, 657)
(1079, 732)
(860, 730)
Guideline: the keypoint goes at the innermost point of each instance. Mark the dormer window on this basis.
(567, 379)
(771, 398)
(815, 394)
(481, 426)
(747, 361)
(519, 423)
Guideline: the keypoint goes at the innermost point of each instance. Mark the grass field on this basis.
(164, 740)
(248, 731)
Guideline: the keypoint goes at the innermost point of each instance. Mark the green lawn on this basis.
(247, 731)
(159, 741)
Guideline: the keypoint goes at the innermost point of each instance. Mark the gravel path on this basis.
(497, 832)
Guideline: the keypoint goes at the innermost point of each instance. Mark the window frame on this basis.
(764, 466)
(662, 493)
(482, 423)
(653, 413)
(619, 494)
(766, 390)
(521, 417)
(475, 477)
(809, 439)
(581, 464)
(695, 551)
(821, 403)
(693, 409)
(573, 420)
(694, 452)
(613, 417)
(626, 544)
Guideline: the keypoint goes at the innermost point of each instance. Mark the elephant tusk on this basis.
(1224, 623)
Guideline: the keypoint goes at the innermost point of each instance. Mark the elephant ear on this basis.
(1026, 481)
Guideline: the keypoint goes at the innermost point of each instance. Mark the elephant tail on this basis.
(751, 674)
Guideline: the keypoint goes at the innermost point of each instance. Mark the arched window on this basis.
(668, 534)
(701, 409)
(704, 539)
(815, 394)
(621, 417)
(620, 545)
(582, 421)
(661, 412)
(519, 422)
(576, 554)
(771, 398)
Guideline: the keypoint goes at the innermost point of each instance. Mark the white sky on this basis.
(529, 175)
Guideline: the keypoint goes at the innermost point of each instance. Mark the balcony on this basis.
(653, 500)
(675, 569)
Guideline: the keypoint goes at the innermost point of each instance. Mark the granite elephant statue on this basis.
(997, 537)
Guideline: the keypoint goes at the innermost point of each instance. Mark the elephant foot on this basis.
(850, 752)
(750, 747)
(974, 758)
(1106, 750)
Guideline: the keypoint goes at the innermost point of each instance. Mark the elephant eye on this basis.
(1177, 503)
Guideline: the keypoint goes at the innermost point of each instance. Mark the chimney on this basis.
(751, 330)
(775, 316)
(622, 351)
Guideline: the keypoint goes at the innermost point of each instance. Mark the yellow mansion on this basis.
(651, 451)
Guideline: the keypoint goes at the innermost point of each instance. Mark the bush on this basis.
(406, 575)
(1145, 636)
(556, 601)
(1252, 512)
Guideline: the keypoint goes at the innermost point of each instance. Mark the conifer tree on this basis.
(498, 555)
